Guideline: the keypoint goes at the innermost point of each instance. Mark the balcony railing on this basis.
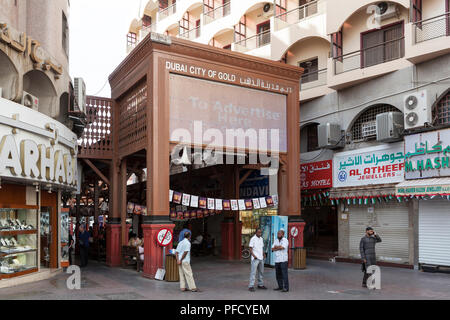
(256, 41)
(145, 31)
(432, 28)
(191, 34)
(164, 13)
(381, 53)
(217, 13)
(295, 15)
(313, 79)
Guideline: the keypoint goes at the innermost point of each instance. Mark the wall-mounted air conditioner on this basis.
(387, 11)
(390, 126)
(267, 10)
(330, 136)
(30, 101)
(80, 93)
(416, 110)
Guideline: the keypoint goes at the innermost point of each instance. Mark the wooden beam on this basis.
(246, 175)
(98, 172)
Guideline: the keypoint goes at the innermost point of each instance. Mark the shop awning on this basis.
(435, 186)
(366, 192)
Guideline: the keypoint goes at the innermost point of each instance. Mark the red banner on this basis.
(316, 175)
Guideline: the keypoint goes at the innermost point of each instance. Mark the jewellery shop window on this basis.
(18, 241)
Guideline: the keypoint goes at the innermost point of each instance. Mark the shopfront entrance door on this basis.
(46, 236)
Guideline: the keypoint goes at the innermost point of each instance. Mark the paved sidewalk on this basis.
(224, 280)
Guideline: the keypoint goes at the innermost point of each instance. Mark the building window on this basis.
(442, 111)
(336, 45)
(416, 10)
(240, 30)
(365, 127)
(227, 47)
(163, 4)
(263, 31)
(208, 5)
(131, 39)
(280, 8)
(379, 46)
(184, 23)
(65, 34)
(309, 138)
(311, 68)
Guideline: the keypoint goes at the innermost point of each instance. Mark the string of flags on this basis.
(194, 201)
(317, 198)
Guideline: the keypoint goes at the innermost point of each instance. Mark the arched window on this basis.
(441, 113)
(365, 127)
(308, 138)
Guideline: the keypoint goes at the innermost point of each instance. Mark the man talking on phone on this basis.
(367, 250)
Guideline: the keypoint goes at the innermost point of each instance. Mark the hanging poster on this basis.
(202, 203)
(186, 199)
(219, 204)
(241, 203)
(194, 201)
(234, 205)
(226, 205)
(256, 204)
(170, 195)
(177, 197)
(262, 202)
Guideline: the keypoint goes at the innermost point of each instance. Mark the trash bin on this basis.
(299, 258)
(172, 274)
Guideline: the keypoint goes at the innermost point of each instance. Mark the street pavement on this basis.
(228, 280)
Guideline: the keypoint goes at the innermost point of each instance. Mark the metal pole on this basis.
(164, 258)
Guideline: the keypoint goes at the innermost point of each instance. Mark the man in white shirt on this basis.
(183, 254)
(258, 255)
(280, 247)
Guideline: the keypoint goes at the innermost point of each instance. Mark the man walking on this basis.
(258, 255)
(83, 241)
(183, 254)
(280, 247)
(367, 250)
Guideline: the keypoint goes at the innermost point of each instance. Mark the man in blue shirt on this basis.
(183, 254)
(186, 228)
(83, 241)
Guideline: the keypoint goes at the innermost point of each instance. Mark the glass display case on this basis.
(18, 241)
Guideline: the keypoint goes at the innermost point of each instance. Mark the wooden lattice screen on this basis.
(96, 141)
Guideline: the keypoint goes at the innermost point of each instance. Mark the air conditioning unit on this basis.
(80, 93)
(267, 10)
(30, 101)
(387, 11)
(330, 136)
(416, 110)
(390, 126)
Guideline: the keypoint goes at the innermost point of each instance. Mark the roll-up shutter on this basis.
(390, 220)
(434, 232)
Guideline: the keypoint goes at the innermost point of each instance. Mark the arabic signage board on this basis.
(375, 165)
(219, 115)
(427, 155)
(316, 175)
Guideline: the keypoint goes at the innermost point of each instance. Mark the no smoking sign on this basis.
(164, 237)
(294, 232)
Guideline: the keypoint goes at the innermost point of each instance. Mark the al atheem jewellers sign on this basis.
(427, 155)
(36, 148)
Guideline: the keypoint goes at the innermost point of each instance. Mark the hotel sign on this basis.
(36, 148)
(316, 175)
(427, 155)
(375, 165)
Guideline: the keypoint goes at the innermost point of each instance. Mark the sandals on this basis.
(196, 290)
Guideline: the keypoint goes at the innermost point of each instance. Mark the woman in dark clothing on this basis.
(71, 243)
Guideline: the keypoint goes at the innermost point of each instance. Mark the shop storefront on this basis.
(427, 172)
(364, 191)
(37, 163)
(319, 213)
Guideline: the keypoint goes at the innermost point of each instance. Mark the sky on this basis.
(98, 30)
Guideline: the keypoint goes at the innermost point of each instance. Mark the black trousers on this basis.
(281, 272)
(84, 251)
(365, 277)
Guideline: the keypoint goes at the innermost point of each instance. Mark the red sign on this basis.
(316, 175)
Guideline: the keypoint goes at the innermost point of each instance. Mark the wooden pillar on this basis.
(96, 194)
(123, 202)
(158, 164)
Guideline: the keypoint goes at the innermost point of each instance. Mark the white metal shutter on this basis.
(391, 222)
(434, 232)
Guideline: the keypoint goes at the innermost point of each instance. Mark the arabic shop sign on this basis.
(316, 175)
(423, 190)
(20, 42)
(375, 165)
(427, 155)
